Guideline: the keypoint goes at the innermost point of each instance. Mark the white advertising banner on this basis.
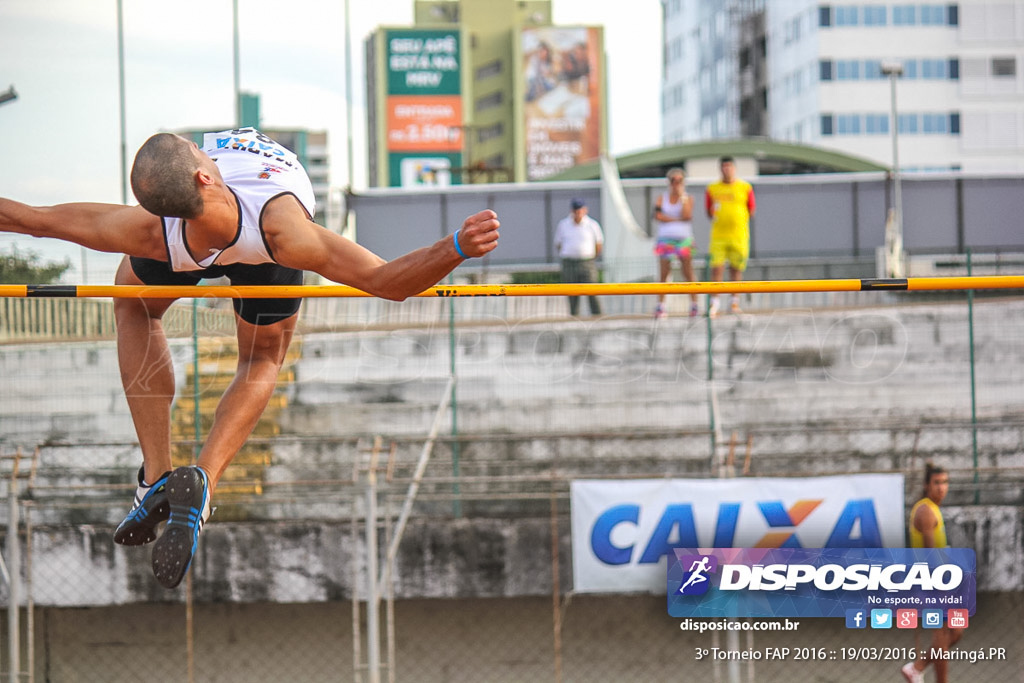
(623, 530)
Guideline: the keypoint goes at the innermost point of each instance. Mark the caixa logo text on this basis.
(856, 526)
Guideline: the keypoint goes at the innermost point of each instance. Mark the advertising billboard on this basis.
(423, 115)
(624, 531)
(562, 102)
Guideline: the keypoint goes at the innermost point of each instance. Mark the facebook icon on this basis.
(856, 618)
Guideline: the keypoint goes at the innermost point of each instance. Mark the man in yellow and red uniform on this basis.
(928, 530)
(730, 204)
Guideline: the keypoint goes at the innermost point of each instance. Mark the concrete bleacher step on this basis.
(215, 384)
(217, 366)
(182, 427)
(184, 407)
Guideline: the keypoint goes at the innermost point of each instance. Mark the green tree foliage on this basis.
(26, 268)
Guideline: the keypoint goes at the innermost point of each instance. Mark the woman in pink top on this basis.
(674, 211)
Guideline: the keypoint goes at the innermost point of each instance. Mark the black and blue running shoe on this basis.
(188, 491)
(149, 509)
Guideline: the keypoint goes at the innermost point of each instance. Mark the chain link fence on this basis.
(481, 588)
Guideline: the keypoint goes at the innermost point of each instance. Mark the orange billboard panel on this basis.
(420, 123)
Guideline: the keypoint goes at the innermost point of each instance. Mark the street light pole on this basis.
(236, 67)
(894, 254)
(8, 95)
(348, 95)
(121, 104)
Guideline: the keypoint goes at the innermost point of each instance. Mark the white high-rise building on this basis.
(812, 72)
(701, 59)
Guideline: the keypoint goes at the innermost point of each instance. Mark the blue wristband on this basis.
(455, 238)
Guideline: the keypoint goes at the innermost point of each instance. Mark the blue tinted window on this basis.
(848, 69)
(904, 15)
(874, 16)
(848, 124)
(933, 15)
(872, 69)
(826, 124)
(933, 68)
(954, 123)
(909, 123)
(825, 70)
(847, 15)
(876, 124)
(936, 123)
(910, 68)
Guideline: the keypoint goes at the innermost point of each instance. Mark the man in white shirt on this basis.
(578, 241)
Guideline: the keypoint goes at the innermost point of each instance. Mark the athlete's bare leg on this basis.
(716, 276)
(945, 638)
(261, 352)
(687, 265)
(664, 270)
(146, 372)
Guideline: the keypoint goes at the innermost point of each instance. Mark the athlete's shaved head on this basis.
(163, 177)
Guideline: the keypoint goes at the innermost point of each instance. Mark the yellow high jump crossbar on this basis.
(919, 284)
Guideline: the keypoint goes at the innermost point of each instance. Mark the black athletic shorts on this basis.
(255, 311)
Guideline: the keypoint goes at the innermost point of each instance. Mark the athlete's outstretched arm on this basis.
(297, 242)
(103, 227)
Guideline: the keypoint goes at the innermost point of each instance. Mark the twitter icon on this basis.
(881, 618)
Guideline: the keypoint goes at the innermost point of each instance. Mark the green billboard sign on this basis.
(423, 62)
(426, 169)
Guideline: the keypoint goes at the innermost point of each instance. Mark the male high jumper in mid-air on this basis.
(241, 207)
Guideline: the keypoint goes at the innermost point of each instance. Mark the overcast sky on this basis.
(61, 137)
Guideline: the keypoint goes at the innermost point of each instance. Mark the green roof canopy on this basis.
(773, 158)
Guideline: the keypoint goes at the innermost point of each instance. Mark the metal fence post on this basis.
(974, 390)
(372, 586)
(197, 432)
(30, 629)
(14, 562)
(712, 398)
(556, 583)
(452, 352)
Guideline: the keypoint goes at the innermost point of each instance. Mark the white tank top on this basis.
(256, 169)
(677, 228)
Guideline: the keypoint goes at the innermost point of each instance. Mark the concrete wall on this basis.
(299, 562)
(820, 391)
(837, 215)
(888, 361)
(794, 366)
(603, 639)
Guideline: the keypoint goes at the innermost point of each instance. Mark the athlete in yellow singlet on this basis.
(928, 530)
(729, 204)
